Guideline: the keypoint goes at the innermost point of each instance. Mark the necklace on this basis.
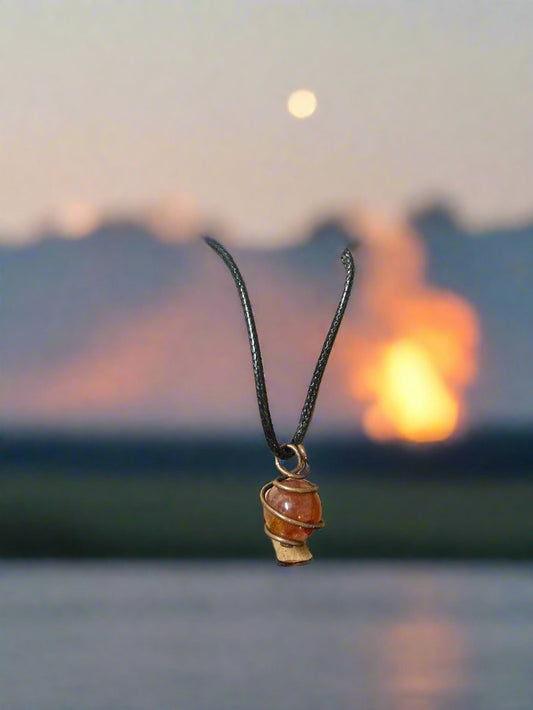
(291, 506)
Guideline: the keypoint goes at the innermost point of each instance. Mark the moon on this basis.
(302, 103)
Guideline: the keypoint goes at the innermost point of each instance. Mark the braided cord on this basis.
(282, 451)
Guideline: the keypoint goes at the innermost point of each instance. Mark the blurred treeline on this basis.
(126, 497)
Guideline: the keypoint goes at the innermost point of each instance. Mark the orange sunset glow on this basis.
(411, 396)
(76, 219)
(414, 345)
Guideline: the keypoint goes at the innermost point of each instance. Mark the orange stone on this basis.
(305, 507)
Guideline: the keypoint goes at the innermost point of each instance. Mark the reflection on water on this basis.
(422, 657)
(424, 663)
(252, 636)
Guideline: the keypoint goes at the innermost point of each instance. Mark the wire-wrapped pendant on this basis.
(292, 510)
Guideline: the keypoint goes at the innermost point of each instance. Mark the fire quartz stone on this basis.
(305, 507)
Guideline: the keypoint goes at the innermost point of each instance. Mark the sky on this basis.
(118, 105)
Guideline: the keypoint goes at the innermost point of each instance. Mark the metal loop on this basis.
(301, 470)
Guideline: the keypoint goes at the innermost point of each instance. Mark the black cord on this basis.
(283, 452)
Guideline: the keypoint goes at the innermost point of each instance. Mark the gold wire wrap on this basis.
(286, 518)
(290, 552)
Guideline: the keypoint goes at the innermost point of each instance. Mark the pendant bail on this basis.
(301, 470)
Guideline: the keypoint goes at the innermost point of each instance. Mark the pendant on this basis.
(292, 510)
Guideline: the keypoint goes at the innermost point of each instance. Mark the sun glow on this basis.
(414, 348)
(411, 397)
(302, 103)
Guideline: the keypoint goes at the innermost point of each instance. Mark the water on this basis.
(252, 636)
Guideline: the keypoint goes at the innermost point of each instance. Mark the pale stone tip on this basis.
(293, 554)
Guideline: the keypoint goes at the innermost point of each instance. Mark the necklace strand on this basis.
(283, 451)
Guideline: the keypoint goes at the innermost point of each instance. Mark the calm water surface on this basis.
(252, 636)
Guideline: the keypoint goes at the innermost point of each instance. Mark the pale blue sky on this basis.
(121, 103)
